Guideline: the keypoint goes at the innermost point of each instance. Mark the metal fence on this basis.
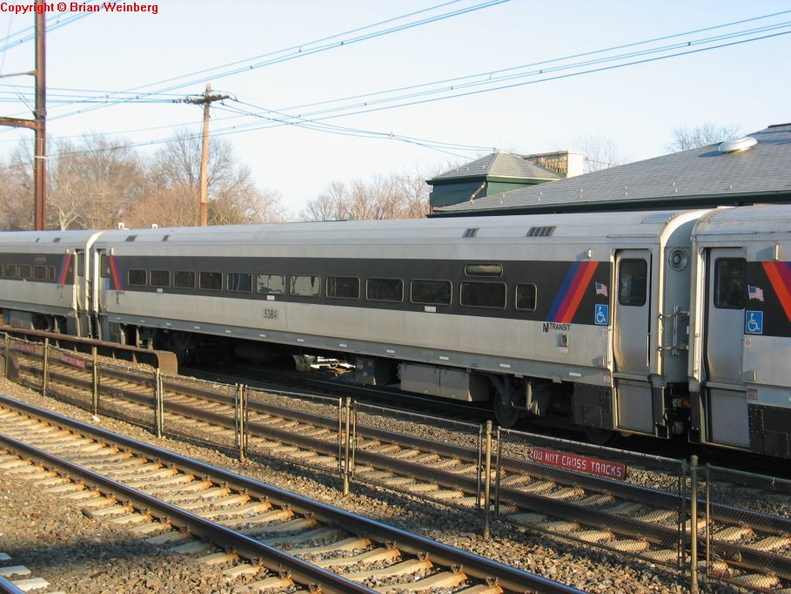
(533, 472)
(523, 478)
(737, 521)
(405, 444)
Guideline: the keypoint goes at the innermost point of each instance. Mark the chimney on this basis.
(566, 163)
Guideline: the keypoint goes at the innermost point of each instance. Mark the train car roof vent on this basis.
(56, 240)
(739, 144)
(471, 232)
(131, 237)
(165, 237)
(540, 231)
(658, 217)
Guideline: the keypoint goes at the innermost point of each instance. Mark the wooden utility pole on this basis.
(206, 101)
(38, 123)
(40, 115)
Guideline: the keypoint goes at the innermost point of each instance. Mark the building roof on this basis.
(689, 179)
(500, 166)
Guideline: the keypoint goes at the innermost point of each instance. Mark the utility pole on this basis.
(38, 123)
(40, 158)
(206, 101)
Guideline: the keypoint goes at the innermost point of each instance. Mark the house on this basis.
(750, 170)
(500, 172)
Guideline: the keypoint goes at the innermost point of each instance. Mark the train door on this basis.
(80, 291)
(631, 339)
(98, 282)
(725, 400)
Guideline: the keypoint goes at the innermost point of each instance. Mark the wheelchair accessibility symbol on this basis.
(601, 316)
(753, 322)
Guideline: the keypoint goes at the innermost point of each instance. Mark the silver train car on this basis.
(653, 323)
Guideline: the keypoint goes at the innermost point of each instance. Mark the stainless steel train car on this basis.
(44, 283)
(643, 323)
(740, 329)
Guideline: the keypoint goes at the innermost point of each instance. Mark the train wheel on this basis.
(506, 414)
(600, 437)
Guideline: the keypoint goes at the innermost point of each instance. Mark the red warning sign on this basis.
(585, 464)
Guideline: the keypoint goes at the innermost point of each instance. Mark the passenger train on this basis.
(665, 323)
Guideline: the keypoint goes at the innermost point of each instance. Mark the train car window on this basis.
(730, 282)
(304, 285)
(104, 262)
(136, 277)
(40, 273)
(384, 289)
(240, 282)
(526, 294)
(483, 270)
(431, 292)
(9, 270)
(633, 282)
(343, 287)
(51, 273)
(210, 281)
(477, 294)
(160, 278)
(184, 280)
(270, 284)
(25, 271)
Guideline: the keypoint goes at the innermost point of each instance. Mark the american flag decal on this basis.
(601, 289)
(756, 293)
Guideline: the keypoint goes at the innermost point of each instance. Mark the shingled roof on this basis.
(695, 178)
(500, 166)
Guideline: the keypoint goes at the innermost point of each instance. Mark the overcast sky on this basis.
(323, 91)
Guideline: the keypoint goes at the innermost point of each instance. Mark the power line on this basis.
(335, 41)
(486, 81)
(18, 38)
(274, 118)
(533, 73)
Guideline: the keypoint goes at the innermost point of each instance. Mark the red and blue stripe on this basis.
(779, 274)
(65, 265)
(114, 274)
(568, 299)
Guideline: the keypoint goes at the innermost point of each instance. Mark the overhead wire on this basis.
(294, 52)
(52, 23)
(278, 119)
(511, 77)
(543, 71)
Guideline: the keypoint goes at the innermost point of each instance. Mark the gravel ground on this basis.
(74, 553)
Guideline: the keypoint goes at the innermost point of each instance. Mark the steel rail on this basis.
(274, 559)
(634, 528)
(509, 578)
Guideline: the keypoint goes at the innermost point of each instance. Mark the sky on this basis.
(322, 92)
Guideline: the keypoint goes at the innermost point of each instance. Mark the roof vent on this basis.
(740, 144)
(540, 231)
(471, 232)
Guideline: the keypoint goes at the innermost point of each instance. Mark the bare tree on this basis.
(173, 206)
(703, 135)
(93, 183)
(232, 194)
(600, 152)
(394, 196)
(16, 191)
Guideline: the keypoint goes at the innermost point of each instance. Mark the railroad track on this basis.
(749, 548)
(266, 537)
